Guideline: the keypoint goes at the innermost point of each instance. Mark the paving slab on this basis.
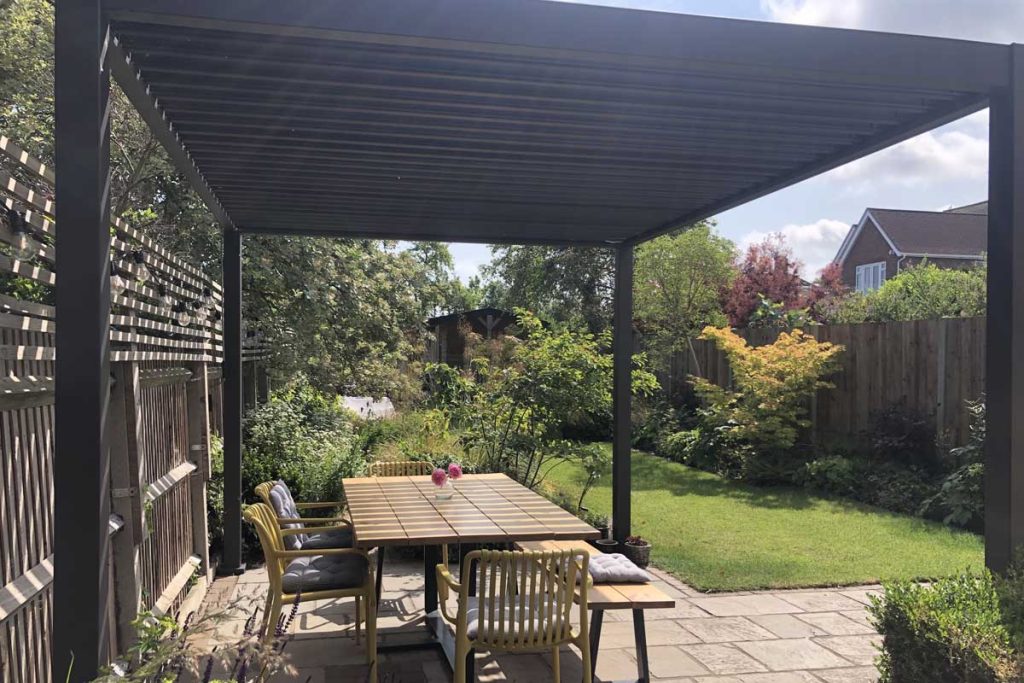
(724, 659)
(745, 605)
(820, 601)
(725, 629)
(860, 650)
(860, 674)
(787, 626)
(835, 624)
(790, 654)
(670, 662)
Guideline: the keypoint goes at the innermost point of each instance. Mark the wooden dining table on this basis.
(484, 509)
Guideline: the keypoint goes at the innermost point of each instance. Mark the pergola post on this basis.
(622, 391)
(1004, 365)
(231, 563)
(81, 459)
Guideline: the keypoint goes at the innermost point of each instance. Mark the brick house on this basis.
(885, 241)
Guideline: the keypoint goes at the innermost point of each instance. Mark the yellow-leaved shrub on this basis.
(767, 405)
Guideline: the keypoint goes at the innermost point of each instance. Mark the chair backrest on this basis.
(278, 497)
(263, 518)
(399, 468)
(526, 597)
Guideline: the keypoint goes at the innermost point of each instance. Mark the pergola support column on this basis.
(1004, 364)
(622, 391)
(231, 563)
(81, 458)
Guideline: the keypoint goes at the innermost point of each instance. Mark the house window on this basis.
(870, 276)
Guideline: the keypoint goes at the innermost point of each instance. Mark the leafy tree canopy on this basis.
(573, 285)
(679, 283)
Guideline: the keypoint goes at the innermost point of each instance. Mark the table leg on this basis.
(640, 636)
(380, 572)
(596, 619)
(431, 558)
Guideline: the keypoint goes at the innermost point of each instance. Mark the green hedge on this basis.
(960, 629)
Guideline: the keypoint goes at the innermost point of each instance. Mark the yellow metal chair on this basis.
(523, 604)
(395, 468)
(305, 575)
(277, 496)
(399, 468)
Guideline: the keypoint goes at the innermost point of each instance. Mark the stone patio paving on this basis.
(800, 636)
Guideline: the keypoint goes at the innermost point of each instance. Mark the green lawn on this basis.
(720, 535)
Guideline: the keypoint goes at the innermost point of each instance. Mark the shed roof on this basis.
(516, 120)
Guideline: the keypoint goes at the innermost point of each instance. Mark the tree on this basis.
(562, 284)
(826, 292)
(679, 283)
(768, 270)
(512, 416)
(348, 313)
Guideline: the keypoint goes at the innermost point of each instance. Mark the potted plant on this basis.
(638, 550)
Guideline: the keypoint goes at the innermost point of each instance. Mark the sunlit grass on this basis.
(721, 535)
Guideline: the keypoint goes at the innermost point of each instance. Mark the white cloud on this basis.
(814, 244)
(948, 154)
(1000, 21)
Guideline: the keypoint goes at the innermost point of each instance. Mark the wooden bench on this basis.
(605, 596)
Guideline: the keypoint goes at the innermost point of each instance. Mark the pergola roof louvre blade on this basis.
(554, 123)
(138, 93)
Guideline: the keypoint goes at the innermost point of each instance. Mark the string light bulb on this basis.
(166, 300)
(117, 283)
(23, 247)
(142, 272)
(182, 315)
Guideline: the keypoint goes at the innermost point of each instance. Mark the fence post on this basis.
(940, 380)
(196, 396)
(124, 424)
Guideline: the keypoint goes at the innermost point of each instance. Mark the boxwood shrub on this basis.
(959, 629)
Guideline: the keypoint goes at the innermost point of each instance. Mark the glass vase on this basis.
(445, 490)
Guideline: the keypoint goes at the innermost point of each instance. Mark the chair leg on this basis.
(273, 616)
(459, 675)
(380, 572)
(556, 666)
(359, 616)
(266, 611)
(371, 636)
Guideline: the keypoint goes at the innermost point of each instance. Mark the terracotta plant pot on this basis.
(640, 555)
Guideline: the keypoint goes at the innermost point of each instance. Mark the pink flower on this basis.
(438, 477)
(454, 470)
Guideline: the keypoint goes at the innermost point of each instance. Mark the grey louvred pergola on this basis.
(517, 121)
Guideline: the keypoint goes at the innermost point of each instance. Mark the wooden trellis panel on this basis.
(158, 487)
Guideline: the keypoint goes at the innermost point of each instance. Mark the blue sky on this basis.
(942, 168)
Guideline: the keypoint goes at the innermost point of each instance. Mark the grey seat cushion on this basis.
(341, 538)
(284, 506)
(538, 625)
(325, 572)
(616, 568)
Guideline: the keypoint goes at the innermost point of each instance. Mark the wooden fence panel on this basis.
(158, 490)
(932, 367)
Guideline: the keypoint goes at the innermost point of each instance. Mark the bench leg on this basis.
(596, 619)
(640, 635)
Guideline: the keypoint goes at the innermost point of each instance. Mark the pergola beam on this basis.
(554, 30)
(622, 368)
(138, 94)
(81, 463)
(1004, 362)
